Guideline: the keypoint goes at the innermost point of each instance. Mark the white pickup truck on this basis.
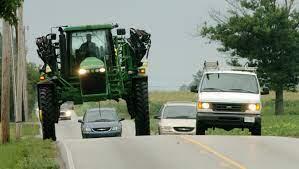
(229, 99)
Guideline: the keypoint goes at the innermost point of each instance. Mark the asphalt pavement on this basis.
(174, 152)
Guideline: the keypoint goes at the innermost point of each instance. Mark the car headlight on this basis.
(203, 105)
(87, 129)
(68, 113)
(82, 71)
(114, 128)
(254, 107)
(166, 128)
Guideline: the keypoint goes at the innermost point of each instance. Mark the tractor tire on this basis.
(142, 123)
(130, 106)
(49, 111)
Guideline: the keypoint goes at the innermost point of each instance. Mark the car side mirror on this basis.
(157, 117)
(194, 89)
(122, 119)
(80, 121)
(265, 91)
(121, 31)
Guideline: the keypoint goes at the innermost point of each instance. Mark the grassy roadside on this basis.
(28, 153)
(284, 125)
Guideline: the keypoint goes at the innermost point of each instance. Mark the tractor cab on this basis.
(84, 42)
(89, 53)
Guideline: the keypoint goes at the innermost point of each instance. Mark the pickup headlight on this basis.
(254, 107)
(203, 105)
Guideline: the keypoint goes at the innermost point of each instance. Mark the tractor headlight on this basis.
(82, 71)
(102, 70)
(254, 107)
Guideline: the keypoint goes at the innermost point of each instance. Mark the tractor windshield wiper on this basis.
(242, 90)
(212, 89)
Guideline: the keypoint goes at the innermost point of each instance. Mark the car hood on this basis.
(178, 122)
(229, 97)
(102, 124)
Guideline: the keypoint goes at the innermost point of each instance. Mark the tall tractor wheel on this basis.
(131, 106)
(142, 123)
(48, 111)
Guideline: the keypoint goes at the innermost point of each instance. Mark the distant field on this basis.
(28, 153)
(284, 125)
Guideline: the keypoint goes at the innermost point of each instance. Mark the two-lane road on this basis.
(175, 152)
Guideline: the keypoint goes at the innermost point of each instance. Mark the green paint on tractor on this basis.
(92, 63)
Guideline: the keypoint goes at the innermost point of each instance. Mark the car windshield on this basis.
(100, 116)
(229, 82)
(179, 112)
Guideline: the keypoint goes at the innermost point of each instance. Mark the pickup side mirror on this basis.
(265, 91)
(122, 119)
(194, 89)
(157, 117)
(80, 121)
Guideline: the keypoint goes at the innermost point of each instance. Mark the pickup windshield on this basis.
(229, 82)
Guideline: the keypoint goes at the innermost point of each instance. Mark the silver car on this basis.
(177, 118)
(102, 122)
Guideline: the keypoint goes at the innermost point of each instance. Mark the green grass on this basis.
(29, 152)
(283, 125)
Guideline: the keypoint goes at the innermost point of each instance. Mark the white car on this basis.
(177, 118)
(66, 111)
(229, 99)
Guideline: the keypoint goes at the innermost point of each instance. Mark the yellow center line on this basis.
(212, 151)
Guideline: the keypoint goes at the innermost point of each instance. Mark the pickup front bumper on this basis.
(228, 121)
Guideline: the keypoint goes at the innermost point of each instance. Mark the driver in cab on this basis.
(88, 49)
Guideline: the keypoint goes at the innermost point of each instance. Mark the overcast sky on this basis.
(176, 52)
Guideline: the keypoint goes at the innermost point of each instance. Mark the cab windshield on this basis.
(89, 44)
(229, 82)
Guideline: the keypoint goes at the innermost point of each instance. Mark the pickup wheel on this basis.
(200, 130)
(256, 131)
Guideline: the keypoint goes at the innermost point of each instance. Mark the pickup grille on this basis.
(229, 107)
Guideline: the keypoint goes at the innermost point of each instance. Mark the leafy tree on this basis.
(266, 33)
(184, 87)
(8, 10)
(196, 78)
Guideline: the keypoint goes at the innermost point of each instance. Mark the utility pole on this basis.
(14, 86)
(5, 90)
(25, 93)
(20, 71)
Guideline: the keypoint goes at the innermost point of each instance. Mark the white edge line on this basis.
(69, 157)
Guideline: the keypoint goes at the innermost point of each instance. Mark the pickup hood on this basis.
(229, 97)
(178, 122)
